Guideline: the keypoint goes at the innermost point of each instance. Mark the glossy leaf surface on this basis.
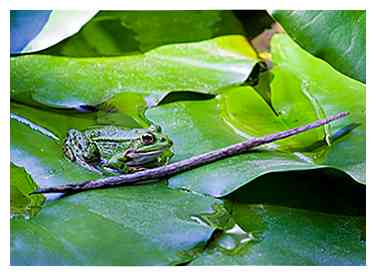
(287, 227)
(71, 82)
(299, 96)
(140, 225)
(338, 37)
(114, 33)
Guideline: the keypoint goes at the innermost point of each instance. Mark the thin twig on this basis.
(187, 164)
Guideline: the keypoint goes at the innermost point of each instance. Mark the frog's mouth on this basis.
(143, 157)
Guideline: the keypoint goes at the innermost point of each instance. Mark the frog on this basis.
(111, 150)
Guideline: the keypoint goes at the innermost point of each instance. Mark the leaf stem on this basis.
(187, 164)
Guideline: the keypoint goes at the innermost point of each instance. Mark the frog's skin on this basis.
(111, 149)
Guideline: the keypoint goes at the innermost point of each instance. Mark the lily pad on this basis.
(292, 237)
(37, 144)
(114, 33)
(338, 37)
(139, 225)
(156, 28)
(208, 128)
(299, 97)
(285, 227)
(334, 93)
(71, 82)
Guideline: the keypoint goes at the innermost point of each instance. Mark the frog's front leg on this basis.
(115, 165)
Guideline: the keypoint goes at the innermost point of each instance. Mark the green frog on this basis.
(114, 150)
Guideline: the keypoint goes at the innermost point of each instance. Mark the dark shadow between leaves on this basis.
(177, 96)
(254, 21)
(322, 190)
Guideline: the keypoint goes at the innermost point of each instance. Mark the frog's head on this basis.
(149, 146)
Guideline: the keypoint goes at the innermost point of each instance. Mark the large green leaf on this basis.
(296, 70)
(291, 237)
(37, 141)
(71, 82)
(306, 218)
(339, 37)
(37, 136)
(156, 28)
(140, 225)
(298, 95)
(112, 33)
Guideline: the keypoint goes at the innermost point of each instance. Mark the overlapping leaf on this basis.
(328, 92)
(114, 33)
(287, 227)
(299, 96)
(37, 136)
(336, 36)
(37, 142)
(291, 237)
(141, 225)
(71, 82)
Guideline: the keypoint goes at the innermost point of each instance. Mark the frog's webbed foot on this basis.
(134, 169)
(113, 168)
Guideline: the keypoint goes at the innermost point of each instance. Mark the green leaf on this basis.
(239, 113)
(71, 82)
(328, 95)
(156, 28)
(38, 135)
(305, 218)
(37, 144)
(208, 128)
(112, 33)
(21, 203)
(338, 37)
(125, 109)
(292, 237)
(139, 225)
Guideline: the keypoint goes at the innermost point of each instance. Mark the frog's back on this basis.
(112, 139)
(113, 133)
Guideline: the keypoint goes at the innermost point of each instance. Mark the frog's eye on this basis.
(147, 138)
